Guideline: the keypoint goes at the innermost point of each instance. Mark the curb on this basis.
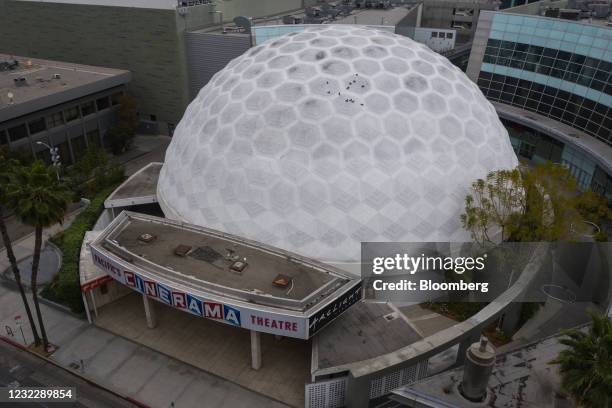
(74, 372)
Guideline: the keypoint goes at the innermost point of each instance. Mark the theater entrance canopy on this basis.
(223, 277)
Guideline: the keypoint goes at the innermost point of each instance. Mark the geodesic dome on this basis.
(318, 140)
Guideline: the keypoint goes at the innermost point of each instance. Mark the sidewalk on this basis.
(24, 246)
(114, 362)
(126, 367)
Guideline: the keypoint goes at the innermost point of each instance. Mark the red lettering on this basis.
(129, 279)
(178, 300)
(150, 288)
(213, 310)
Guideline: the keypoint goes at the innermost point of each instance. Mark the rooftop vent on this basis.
(243, 23)
(238, 266)
(146, 238)
(480, 358)
(569, 14)
(20, 81)
(182, 250)
(282, 280)
(57, 76)
(9, 65)
(391, 316)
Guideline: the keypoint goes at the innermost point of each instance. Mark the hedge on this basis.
(65, 287)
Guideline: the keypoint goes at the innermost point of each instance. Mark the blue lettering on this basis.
(194, 305)
(164, 294)
(139, 284)
(231, 315)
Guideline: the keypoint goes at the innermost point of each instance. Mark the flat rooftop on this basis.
(366, 330)
(37, 84)
(385, 17)
(207, 266)
(536, 9)
(151, 4)
(370, 16)
(140, 188)
(520, 378)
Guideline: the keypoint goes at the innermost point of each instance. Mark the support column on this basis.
(357, 392)
(255, 350)
(86, 307)
(93, 302)
(149, 308)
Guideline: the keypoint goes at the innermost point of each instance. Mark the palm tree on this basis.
(40, 201)
(6, 167)
(586, 365)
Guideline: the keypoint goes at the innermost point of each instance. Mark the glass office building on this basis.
(550, 80)
(558, 68)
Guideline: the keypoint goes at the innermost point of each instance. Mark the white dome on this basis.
(319, 140)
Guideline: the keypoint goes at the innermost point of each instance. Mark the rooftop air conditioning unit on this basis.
(57, 76)
(20, 81)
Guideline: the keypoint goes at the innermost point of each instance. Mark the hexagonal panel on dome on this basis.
(314, 142)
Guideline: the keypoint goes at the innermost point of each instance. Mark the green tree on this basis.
(40, 200)
(542, 203)
(92, 172)
(492, 208)
(7, 167)
(586, 364)
(120, 136)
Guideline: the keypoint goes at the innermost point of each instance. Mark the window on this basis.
(55, 120)
(526, 150)
(93, 138)
(449, 35)
(37, 126)
(18, 132)
(78, 145)
(88, 108)
(102, 103)
(153, 118)
(115, 98)
(3, 139)
(434, 34)
(71, 114)
(104, 289)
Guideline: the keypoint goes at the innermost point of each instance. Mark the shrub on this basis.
(65, 287)
(93, 172)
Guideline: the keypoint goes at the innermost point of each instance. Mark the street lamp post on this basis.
(55, 157)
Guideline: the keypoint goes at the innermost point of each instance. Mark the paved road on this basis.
(20, 367)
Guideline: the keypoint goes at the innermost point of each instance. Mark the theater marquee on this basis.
(225, 312)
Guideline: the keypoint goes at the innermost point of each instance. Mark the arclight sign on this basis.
(301, 327)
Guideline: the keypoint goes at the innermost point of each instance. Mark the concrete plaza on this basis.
(214, 347)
